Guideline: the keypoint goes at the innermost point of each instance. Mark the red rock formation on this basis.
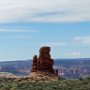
(43, 62)
(34, 63)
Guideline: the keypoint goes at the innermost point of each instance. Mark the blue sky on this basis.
(25, 26)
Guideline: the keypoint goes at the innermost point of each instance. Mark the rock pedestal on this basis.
(43, 63)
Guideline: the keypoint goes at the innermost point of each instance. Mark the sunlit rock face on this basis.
(43, 63)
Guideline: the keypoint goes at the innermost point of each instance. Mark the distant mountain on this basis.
(16, 67)
(78, 61)
(68, 68)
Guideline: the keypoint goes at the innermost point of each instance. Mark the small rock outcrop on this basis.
(43, 63)
(7, 75)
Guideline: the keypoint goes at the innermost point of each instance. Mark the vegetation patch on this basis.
(12, 84)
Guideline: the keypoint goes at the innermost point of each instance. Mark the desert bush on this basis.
(9, 84)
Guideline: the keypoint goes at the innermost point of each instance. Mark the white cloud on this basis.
(44, 10)
(74, 54)
(83, 40)
(77, 38)
(56, 44)
(15, 37)
(75, 41)
(22, 37)
(13, 30)
(86, 40)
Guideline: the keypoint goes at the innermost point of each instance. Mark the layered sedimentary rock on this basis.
(43, 63)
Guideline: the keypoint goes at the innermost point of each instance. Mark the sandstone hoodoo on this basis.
(43, 63)
(42, 66)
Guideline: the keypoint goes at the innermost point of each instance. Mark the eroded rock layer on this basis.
(43, 62)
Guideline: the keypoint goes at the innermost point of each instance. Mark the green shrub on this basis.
(10, 84)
